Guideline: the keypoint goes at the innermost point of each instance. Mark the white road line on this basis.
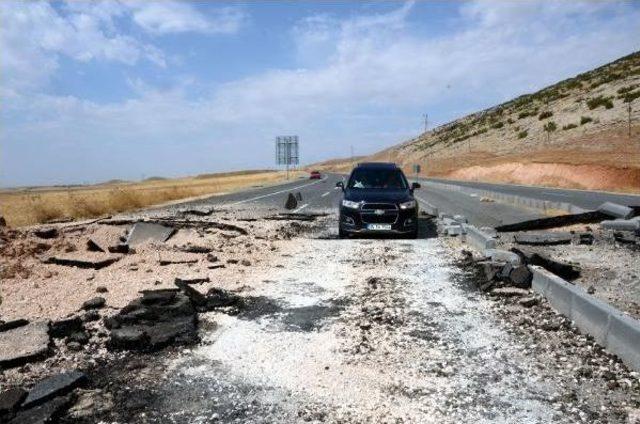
(272, 194)
(301, 207)
(326, 194)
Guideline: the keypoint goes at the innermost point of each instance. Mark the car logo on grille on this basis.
(379, 212)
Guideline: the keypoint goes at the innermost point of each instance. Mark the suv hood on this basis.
(375, 195)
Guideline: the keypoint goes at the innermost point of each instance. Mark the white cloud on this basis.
(363, 80)
(173, 16)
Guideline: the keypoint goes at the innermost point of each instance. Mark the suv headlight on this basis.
(408, 205)
(350, 204)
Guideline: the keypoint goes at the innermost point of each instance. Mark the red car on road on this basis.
(315, 175)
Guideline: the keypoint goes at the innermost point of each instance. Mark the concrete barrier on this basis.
(500, 255)
(479, 239)
(621, 224)
(615, 210)
(528, 202)
(617, 332)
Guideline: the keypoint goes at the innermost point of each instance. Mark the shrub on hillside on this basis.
(544, 115)
(498, 125)
(585, 120)
(600, 101)
(523, 134)
(569, 127)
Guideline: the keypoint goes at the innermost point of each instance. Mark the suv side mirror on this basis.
(415, 186)
(340, 184)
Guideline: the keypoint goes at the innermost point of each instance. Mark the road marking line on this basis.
(301, 207)
(271, 194)
(326, 194)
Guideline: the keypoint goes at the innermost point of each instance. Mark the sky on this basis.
(93, 91)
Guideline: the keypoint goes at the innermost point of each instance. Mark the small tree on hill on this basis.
(549, 127)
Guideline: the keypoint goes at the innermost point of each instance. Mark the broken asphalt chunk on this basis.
(178, 258)
(563, 270)
(291, 202)
(148, 232)
(46, 233)
(87, 260)
(554, 222)
(65, 327)
(11, 399)
(10, 325)
(153, 321)
(24, 344)
(94, 246)
(54, 386)
(46, 413)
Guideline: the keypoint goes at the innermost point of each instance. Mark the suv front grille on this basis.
(379, 213)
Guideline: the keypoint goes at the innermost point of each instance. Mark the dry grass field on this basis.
(22, 207)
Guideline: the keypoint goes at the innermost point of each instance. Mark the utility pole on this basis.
(629, 119)
(352, 164)
(426, 122)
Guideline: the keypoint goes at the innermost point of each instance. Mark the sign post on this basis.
(287, 151)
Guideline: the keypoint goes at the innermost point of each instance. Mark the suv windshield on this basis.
(377, 178)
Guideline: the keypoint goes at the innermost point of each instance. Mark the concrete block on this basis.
(479, 239)
(489, 231)
(503, 256)
(460, 218)
(616, 210)
(621, 224)
(454, 230)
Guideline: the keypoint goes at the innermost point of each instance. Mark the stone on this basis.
(79, 337)
(245, 262)
(74, 346)
(212, 258)
(191, 248)
(11, 399)
(91, 316)
(521, 276)
(94, 303)
(133, 338)
(585, 238)
(49, 412)
(24, 344)
(291, 202)
(615, 210)
(3, 222)
(86, 260)
(46, 233)
(65, 327)
(528, 302)
(491, 270)
(101, 289)
(509, 292)
(143, 232)
(550, 238)
(54, 386)
(505, 271)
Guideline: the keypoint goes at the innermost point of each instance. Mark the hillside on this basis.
(571, 134)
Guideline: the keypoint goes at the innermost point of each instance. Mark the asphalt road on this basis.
(323, 196)
(582, 198)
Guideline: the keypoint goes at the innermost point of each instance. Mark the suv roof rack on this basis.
(377, 165)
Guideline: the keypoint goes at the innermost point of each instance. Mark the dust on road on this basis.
(358, 331)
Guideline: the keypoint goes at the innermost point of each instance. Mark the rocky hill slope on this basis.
(575, 133)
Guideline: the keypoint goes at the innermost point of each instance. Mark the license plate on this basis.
(379, 227)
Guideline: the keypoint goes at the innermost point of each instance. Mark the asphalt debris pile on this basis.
(154, 320)
(45, 402)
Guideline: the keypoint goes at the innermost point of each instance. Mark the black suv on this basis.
(378, 199)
